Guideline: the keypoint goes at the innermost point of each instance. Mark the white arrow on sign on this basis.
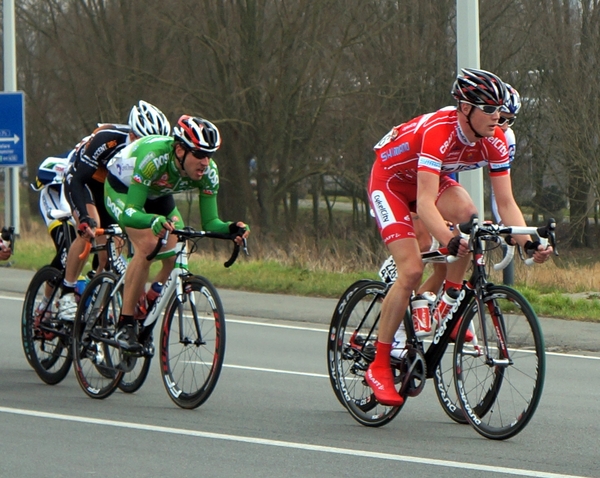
(14, 139)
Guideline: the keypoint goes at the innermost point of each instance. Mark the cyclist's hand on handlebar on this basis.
(160, 224)
(536, 251)
(242, 231)
(458, 246)
(87, 227)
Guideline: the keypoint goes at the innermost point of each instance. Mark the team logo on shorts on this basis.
(382, 209)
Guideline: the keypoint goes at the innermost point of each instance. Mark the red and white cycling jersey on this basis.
(432, 142)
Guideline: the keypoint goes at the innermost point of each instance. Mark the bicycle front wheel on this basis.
(445, 389)
(354, 335)
(192, 343)
(95, 354)
(500, 373)
(45, 338)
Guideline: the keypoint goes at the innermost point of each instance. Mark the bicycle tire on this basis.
(95, 360)
(444, 380)
(48, 351)
(191, 364)
(355, 336)
(500, 398)
(333, 338)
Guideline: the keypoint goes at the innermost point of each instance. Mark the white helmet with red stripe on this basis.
(197, 134)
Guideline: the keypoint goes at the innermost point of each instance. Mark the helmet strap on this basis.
(182, 159)
(477, 135)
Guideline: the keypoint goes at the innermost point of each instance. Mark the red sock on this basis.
(382, 357)
(448, 284)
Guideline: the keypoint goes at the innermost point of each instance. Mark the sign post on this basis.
(12, 146)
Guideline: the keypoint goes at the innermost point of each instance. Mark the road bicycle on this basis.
(192, 332)
(493, 382)
(45, 337)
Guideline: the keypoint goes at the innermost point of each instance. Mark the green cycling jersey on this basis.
(147, 170)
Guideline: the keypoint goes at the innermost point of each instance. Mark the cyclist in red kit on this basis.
(411, 174)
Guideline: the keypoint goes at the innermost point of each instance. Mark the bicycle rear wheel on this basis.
(354, 336)
(333, 338)
(45, 339)
(192, 343)
(95, 355)
(500, 391)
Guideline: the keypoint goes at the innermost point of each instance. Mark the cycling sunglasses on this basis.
(487, 109)
(504, 119)
(199, 154)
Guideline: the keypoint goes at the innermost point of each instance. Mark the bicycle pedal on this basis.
(149, 350)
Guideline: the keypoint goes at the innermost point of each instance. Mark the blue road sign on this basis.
(12, 129)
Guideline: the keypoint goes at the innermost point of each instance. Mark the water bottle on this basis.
(153, 293)
(82, 282)
(146, 300)
(421, 316)
(445, 305)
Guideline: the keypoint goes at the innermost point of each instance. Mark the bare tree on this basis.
(302, 90)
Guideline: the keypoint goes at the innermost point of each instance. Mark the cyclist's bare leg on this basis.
(434, 282)
(410, 270)
(379, 375)
(165, 271)
(455, 205)
(138, 270)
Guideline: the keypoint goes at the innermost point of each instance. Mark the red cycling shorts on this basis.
(392, 202)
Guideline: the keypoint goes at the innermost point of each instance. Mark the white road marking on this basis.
(274, 370)
(286, 444)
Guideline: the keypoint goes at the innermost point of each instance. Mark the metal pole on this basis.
(11, 175)
(508, 274)
(467, 56)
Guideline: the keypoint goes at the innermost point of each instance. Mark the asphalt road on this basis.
(273, 412)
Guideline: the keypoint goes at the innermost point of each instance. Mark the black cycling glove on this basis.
(454, 245)
(86, 222)
(235, 229)
(531, 247)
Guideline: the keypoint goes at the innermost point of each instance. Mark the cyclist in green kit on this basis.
(138, 194)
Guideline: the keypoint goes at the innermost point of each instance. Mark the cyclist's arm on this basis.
(428, 184)
(79, 175)
(507, 206)
(209, 214)
(134, 215)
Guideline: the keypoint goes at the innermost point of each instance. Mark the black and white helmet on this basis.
(146, 119)
(197, 134)
(480, 87)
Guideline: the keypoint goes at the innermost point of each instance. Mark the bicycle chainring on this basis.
(414, 373)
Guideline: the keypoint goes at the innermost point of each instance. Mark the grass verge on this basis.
(546, 287)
